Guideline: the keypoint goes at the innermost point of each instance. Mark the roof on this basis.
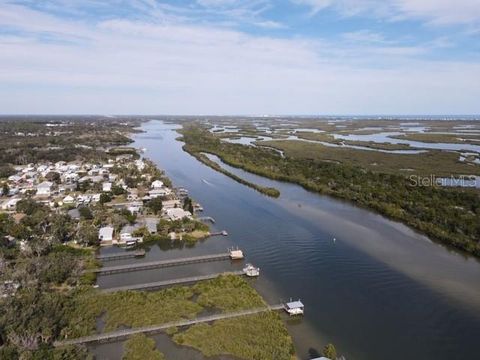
(45, 184)
(105, 232)
(295, 304)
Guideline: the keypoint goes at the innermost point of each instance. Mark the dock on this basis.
(125, 333)
(160, 264)
(218, 233)
(207, 218)
(160, 284)
(122, 255)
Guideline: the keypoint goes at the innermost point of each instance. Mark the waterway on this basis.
(373, 287)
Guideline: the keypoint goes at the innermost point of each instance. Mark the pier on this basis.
(171, 282)
(125, 333)
(207, 218)
(160, 264)
(120, 256)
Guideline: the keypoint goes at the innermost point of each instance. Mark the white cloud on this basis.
(434, 11)
(145, 66)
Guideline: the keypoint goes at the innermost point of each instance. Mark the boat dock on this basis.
(125, 333)
(160, 284)
(218, 233)
(207, 218)
(161, 264)
(122, 255)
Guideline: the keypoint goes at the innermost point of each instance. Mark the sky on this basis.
(240, 57)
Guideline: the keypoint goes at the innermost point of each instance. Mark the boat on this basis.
(251, 270)
(224, 233)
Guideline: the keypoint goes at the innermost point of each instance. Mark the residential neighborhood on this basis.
(124, 199)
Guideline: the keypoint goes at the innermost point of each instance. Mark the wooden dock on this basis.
(160, 264)
(171, 282)
(207, 218)
(125, 333)
(122, 255)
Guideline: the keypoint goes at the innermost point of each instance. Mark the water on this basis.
(386, 137)
(380, 291)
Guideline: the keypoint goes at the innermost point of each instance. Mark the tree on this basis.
(5, 189)
(118, 190)
(105, 198)
(330, 352)
(53, 176)
(155, 205)
(61, 227)
(85, 213)
(87, 235)
(188, 205)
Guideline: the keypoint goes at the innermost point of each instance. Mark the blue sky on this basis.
(240, 57)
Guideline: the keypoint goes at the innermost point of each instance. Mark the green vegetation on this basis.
(441, 138)
(450, 215)
(204, 159)
(140, 347)
(261, 336)
(247, 337)
(440, 163)
(330, 352)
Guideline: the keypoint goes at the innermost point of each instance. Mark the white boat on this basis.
(251, 270)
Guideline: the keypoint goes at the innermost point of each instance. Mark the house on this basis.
(15, 178)
(44, 188)
(105, 235)
(68, 199)
(10, 204)
(177, 214)
(107, 186)
(159, 192)
(95, 198)
(157, 184)
(126, 235)
(140, 165)
(135, 207)
(151, 225)
(171, 204)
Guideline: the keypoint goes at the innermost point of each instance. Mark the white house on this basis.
(10, 204)
(105, 235)
(44, 188)
(107, 186)
(157, 184)
(135, 207)
(159, 192)
(68, 199)
(178, 214)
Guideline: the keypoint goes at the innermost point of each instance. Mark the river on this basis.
(378, 291)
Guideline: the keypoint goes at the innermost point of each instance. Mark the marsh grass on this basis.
(261, 336)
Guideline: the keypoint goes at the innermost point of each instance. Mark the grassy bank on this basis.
(240, 337)
(261, 336)
(272, 192)
(140, 347)
(451, 215)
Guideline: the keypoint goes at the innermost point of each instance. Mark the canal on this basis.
(373, 287)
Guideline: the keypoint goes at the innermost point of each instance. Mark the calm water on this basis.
(380, 291)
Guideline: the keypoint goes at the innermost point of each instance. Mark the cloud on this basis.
(440, 12)
(128, 64)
